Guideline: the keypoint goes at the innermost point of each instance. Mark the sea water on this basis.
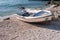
(9, 7)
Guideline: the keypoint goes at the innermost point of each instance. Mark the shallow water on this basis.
(8, 7)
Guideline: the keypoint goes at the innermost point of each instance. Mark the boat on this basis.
(37, 16)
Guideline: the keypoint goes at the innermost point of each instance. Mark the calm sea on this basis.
(8, 7)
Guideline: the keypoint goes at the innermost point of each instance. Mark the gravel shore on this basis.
(15, 29)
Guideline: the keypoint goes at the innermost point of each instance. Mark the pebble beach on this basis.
(14, 29)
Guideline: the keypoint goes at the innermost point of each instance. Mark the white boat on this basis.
(38, 16)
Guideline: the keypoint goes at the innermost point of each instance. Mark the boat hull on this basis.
(34, 20)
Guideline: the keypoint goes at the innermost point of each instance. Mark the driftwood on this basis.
(7, 18)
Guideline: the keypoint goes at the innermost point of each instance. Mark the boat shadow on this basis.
(54, 25)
